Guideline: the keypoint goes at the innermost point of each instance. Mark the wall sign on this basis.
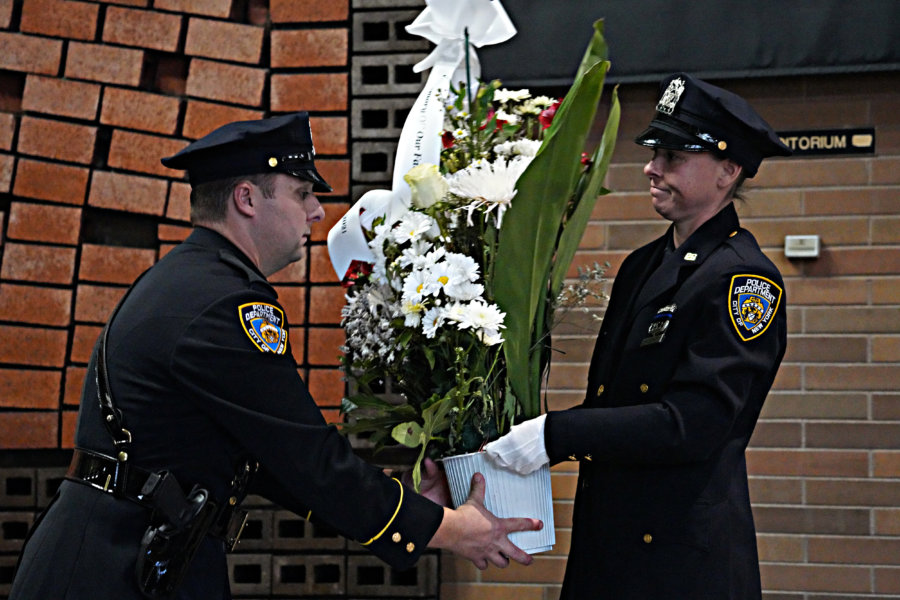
(830, 141)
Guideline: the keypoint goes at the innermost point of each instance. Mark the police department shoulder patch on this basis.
(753, 302)
(264, 325)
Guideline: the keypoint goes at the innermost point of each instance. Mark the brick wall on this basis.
(93, 93)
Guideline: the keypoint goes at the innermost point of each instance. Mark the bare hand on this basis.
(434, 484)
(474, 533)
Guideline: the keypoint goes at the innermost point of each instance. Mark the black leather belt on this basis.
(102, 473)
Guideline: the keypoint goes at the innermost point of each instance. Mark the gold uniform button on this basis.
(644, 388)
(648, 538)
(396, 537)
(232, 501)
(273, 162)
(600, 390)
(732, 234)
(722, 145)
(573, 457)
(410, 547)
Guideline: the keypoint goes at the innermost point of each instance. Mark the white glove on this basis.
(522, 449)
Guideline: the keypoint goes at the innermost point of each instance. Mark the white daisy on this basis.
(485, 316)
(504, 95)
(432, 321)
(510, 118)
(411, 227)
(491, 187)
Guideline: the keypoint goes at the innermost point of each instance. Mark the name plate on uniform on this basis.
(830, 141)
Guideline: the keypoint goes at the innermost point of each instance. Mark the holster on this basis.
(178, 525)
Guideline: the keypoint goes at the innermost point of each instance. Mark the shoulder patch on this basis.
(264, 325)
(753, 300)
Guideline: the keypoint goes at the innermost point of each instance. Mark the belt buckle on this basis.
(236, 525)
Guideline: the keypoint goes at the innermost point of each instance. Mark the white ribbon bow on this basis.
(445, 23)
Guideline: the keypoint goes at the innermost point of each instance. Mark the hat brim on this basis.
(319, 184)
(661, 134)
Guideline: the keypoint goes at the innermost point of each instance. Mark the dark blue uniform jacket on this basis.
(202, 385)
(689, 347)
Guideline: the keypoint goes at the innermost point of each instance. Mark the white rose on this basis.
(427, 185)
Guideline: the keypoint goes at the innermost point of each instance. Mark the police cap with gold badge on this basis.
(280, 144)
(695, 116)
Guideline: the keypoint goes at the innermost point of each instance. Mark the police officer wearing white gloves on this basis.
(691, 340)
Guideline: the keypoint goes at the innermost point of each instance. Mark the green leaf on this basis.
(531, 227)
(584, 206)
(410, 434)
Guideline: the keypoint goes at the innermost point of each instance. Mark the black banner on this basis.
(830, 141)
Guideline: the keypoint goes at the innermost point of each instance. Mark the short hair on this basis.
(209, 200)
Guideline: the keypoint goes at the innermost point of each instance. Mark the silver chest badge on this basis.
(659, 324)
(671, 96)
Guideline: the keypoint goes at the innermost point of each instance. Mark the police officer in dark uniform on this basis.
(690, 343)
(193, 400)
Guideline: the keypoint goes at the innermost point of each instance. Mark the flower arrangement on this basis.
(455, 312)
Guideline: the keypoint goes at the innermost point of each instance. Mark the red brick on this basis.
(57, 139)
(333, 213)
(309, 48)
(324, 344)
(74, 382)
(320, 268)
(141, 152)
(60, 18)
(851, 201)
(212, 8)
(51, 181)
(108, 64)
(139, 110)
(827, 349)
(885, 349)
(313, 92)
(202, 117)
(69, 424)
(179, 207)
(7, 163)
(44, 223)
(173, 233)
(859, 377)
(83, 343)
(29, 53)
(23, 388)
(61, 97)
(35, 305)
(95, 303)
(6, 7)
(852, 435)
(887, 521)
(326, 386)
(293, 300)
(23, 430)
(43, 264)
(885, 169)
(226, 83)
(132, 193)
(298, 344)
(329, 134)
(825, 291)
(336, 173)
(814, 578)
(886, 464)
(205, 38)
(852, 320)
(825, 405)
(887, 581)
(293, 273)
(142, 28)
(32, 346)
(303, 11)
(7, 130)
(798, 463)
(325, 303)
(113, 264)
(886, 230)
(853, 492)
(885, 290)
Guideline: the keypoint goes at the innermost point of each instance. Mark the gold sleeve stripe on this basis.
(309, 515)
(394, 516)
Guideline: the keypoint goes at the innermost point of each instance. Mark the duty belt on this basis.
(146, 488)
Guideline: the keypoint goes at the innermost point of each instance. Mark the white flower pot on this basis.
(507, 494)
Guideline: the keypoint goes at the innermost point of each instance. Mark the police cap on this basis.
(275, 145)
(695, 116)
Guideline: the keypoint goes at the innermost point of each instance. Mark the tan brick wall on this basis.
(93, 94)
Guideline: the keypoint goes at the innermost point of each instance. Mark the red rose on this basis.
(546, 116)
(357, 269)
(447, 139)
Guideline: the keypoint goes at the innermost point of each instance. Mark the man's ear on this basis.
(242, 199)
(729, 171)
